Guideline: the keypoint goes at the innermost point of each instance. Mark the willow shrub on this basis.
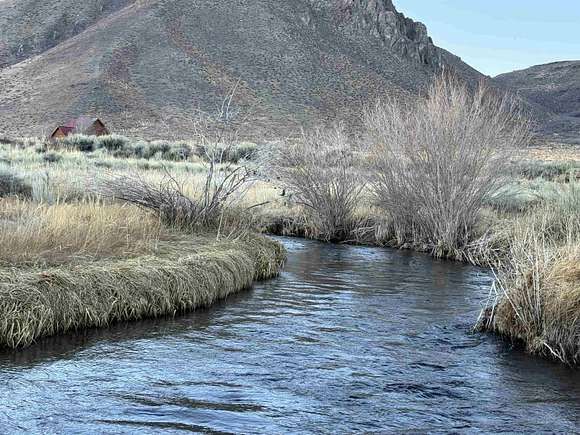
(435, 160)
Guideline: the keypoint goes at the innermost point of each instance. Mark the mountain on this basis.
(556, 88)
(148, 67)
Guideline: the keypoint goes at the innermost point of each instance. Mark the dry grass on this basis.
(42, 234)
(182, 276)
(536, 297)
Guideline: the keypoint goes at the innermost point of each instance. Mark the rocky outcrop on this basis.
(402, 35)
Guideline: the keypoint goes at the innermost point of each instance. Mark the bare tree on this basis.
(435, 160)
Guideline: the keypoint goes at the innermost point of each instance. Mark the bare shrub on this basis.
(435, 160)
(221, 187)
(169, 201)
(210, 206)
(321, 172)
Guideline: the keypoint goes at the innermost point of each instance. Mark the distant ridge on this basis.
(555, 87)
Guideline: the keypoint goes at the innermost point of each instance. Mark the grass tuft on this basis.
(536, 297)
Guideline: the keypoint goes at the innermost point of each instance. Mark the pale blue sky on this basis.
(497, 36)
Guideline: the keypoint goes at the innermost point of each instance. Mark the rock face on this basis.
(148, 67)
(556, 88)
(399, 34)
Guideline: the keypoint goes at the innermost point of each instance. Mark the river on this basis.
(348, 339)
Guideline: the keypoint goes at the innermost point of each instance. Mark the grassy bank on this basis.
(535, 300)
(76, 256)
(71, 266)
(174, 274)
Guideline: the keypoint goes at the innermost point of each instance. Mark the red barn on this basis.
(81, 125)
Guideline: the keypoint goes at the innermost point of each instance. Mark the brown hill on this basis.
(556, 88)
(148, 67)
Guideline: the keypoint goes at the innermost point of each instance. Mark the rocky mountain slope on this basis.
(34, 26)
(556, 88)
(148, 67)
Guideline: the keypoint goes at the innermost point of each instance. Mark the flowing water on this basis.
(348, 339)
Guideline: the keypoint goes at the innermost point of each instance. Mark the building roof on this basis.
(81, 122)
(65, 130)
(77, 125)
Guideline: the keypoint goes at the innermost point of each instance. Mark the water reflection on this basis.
(348, 339)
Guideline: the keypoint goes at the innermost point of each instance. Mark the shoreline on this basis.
(41, 303)
(500, 317)
(293, 229)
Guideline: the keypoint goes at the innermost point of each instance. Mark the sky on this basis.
(497, 36)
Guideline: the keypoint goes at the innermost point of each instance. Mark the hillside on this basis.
(148, 67)
(556, 88)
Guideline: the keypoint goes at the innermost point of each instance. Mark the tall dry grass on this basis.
(185, 274)
(435, 161)
(536, 297)
(43, 234)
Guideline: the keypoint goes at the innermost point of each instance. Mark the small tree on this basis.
(435, 160)
(321, 172)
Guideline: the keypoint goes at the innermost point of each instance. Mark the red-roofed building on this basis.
(81, 125)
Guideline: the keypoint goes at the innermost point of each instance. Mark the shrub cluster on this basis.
(322, 172)
(122, 147)
(548, 170)
(432, 165)
(435, 161)
(12, 184)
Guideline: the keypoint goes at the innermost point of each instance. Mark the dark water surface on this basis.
(348, 339)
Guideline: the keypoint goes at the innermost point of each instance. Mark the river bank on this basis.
(182, 275)
(541, 195)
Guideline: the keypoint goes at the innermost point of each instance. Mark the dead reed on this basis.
(536, 297)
